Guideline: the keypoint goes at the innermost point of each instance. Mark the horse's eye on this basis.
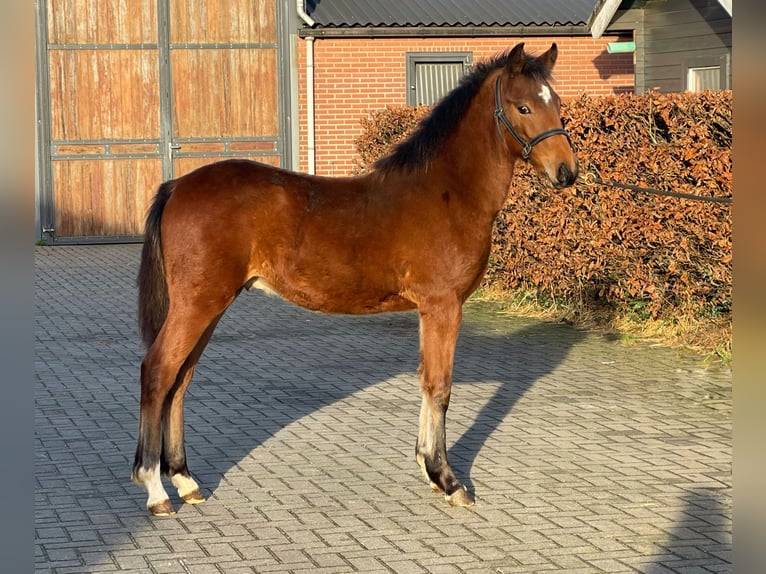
(524, 110)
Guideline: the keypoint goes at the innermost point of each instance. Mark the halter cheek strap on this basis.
(526, 146)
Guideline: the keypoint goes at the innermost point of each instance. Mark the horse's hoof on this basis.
(163, 508)
(193, 497)
(460, 497)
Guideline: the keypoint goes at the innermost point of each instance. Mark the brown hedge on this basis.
(606, 246)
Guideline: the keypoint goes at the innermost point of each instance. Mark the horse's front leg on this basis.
(439, 326)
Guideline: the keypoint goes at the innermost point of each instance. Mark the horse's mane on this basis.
(417, 151)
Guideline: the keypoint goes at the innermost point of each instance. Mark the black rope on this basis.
(589, 180)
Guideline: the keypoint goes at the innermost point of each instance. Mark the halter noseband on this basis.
(526, 146)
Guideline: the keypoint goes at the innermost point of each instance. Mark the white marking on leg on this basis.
(151, 481)
(184, 484)
(545, 94)
(421, 439)
(426, 432)
(426, 436)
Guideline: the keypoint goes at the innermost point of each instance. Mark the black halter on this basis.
(526, 146)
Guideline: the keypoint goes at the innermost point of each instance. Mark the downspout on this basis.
(308, 20)
(310, 133)
(311, 147)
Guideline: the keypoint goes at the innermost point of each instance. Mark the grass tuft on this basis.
(688, 329)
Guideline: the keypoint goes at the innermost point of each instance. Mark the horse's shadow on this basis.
(271, 364)
(514, 359)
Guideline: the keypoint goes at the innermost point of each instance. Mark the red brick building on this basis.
(356, 60)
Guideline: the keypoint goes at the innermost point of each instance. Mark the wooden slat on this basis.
(104, 94)
(253, 146)
(270, 160)
(691, 45)
(94, 198)
(80, 149)
(239, 98)
(695, 30)
(102, 21)
(222, 21)
(220, 147)
(133, 148)
(681, 12)
(196, 147)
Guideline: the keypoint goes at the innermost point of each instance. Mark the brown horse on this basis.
(413, 233)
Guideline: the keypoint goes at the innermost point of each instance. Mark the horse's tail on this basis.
(152, 287)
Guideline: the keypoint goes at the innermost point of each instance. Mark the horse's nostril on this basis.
(564, 175)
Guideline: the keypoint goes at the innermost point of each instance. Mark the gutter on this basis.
(431, 31)
(308, 20)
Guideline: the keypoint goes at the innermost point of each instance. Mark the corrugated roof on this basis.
(397, 13)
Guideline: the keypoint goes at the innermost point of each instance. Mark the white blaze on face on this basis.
(545, 94)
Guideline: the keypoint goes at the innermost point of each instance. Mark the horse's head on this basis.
(528, 109)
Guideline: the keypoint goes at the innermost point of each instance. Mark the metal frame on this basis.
(43, 189)
(285, 42)
(414, 58)
(166, 87)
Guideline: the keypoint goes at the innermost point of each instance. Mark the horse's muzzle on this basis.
(565, 176)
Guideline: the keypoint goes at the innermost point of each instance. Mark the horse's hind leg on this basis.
(439, 326)
(173, 457)
(161, 369)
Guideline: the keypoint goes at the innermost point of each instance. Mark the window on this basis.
(710, 72)
(707, 78)
(431, 75)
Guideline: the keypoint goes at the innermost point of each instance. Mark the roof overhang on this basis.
(443, 31)
(606, 9)
(602, 16)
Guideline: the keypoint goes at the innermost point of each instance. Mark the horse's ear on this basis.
(549, 58)
(516, 60)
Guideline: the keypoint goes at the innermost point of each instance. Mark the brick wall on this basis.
(353, 76)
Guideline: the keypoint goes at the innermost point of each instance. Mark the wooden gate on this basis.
(134, 92)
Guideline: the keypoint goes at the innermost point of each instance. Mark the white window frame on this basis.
(716, 61)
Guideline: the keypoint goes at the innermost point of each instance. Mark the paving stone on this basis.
(585, 455)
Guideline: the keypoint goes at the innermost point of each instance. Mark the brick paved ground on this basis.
(585, 455)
